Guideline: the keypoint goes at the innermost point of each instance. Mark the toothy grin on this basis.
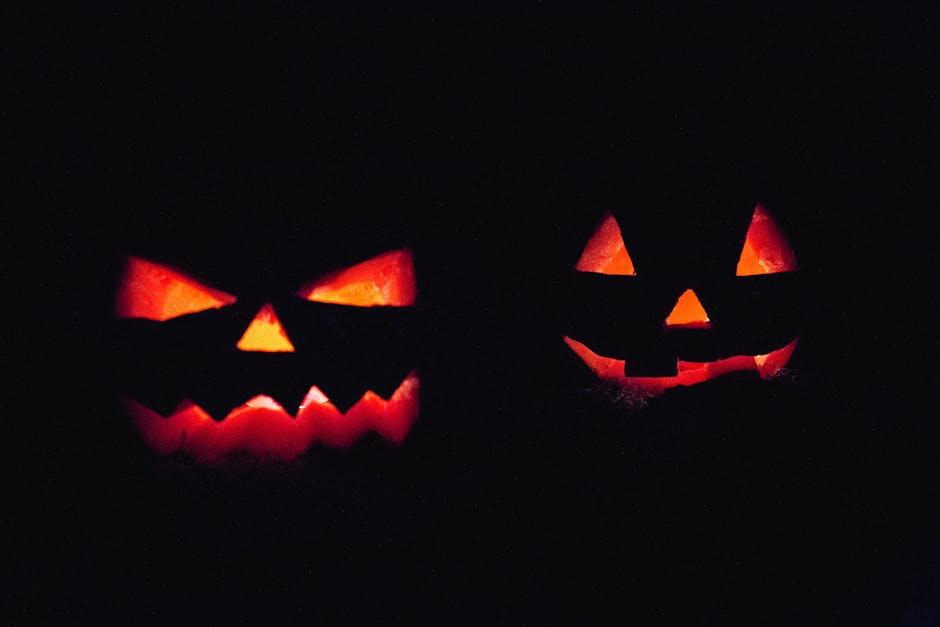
(263, 428)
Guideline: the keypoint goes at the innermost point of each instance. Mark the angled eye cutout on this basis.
(766, 250)
(386, 280)
(605, 252)
(157, 292)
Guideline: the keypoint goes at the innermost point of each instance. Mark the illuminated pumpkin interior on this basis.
(605, 251)
(765, 250)
(261, 426)
(156, 292)
(264, 429)
(387, 279)
(687, 372)
(265, 334)
(688, 312)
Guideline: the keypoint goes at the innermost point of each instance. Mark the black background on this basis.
(490, 144)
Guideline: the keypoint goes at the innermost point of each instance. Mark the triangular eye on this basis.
(156, 292)
(605, 251)
(387, 279)
(766, 250)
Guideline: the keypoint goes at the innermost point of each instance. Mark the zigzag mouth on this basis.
(264, 429)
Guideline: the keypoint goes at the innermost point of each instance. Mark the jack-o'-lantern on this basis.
(209, 376)
(671, 321)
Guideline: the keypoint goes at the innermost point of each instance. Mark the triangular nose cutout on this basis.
(265, 334)
(688, 312)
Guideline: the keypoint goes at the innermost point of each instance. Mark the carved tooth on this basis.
(315, 395)
(263, 400)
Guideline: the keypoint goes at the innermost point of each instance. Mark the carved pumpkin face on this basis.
(208, 371)
(669, 323)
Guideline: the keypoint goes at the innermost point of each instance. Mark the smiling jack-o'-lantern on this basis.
(183, 402)
(661, 330)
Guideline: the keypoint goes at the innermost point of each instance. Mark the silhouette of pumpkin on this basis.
(675, 324)
(183, 402)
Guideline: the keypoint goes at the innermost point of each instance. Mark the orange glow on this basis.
(766, 250)
(263, 429)
(688, 312)
(606, 368)
(388, 279)
(155, 292)
(687, 372)
(605, 251)
(769, 364)
(265, 334)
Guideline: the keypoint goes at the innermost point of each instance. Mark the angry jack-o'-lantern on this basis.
(678, 324)
(277, 355)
